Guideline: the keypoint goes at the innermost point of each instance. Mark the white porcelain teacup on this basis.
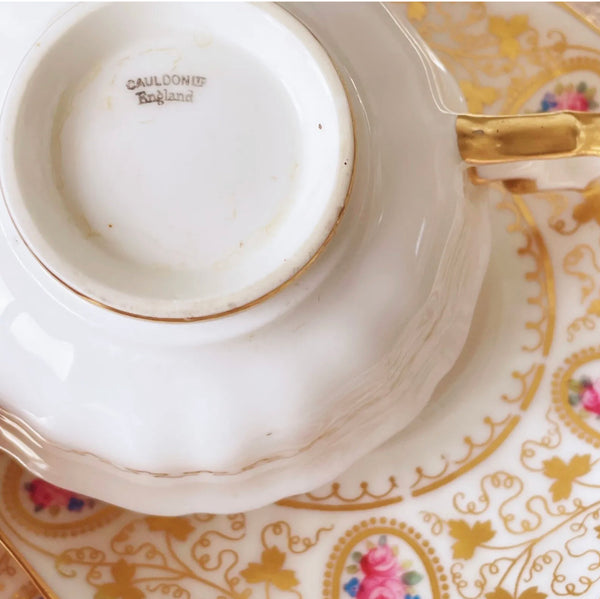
(178, 162)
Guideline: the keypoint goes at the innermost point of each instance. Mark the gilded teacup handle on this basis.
(484, 139)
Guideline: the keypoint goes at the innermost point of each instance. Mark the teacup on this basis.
(188, 162)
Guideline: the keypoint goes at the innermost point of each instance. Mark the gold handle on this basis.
(492, 139)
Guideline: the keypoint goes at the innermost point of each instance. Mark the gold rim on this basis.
(580, 17)
(37, 580)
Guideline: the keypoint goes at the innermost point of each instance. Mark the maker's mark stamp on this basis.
(156, 89)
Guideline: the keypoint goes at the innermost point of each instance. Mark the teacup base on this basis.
(182, 170)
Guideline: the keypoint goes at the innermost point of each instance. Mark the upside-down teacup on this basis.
(240, 244)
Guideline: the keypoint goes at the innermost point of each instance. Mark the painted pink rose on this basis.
(590, 398)
(44, 494)
(572, 100)
(380, 562)
(374, 587)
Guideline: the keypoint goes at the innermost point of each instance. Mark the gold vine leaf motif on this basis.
(468, 538)
(122, 587)
(478, 96)
(597, 529)
(594, 308)
(295, 543)
(574, 265)
(416, 11)
(507, 31)
(270, 570)
(179, 528)
(530, 593)
(565, 474)
(573, 259)
(589, 208)
(559, 203)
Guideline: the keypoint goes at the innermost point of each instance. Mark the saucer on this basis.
(493, 491)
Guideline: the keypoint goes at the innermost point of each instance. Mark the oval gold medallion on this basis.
(576, 394)
(383, 557)
(48, 510)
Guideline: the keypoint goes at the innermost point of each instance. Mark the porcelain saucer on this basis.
(493, 491)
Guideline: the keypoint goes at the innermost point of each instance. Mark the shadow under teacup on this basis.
(176, 161)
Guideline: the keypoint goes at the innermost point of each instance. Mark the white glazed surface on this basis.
(279, 398)
(188, 208)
